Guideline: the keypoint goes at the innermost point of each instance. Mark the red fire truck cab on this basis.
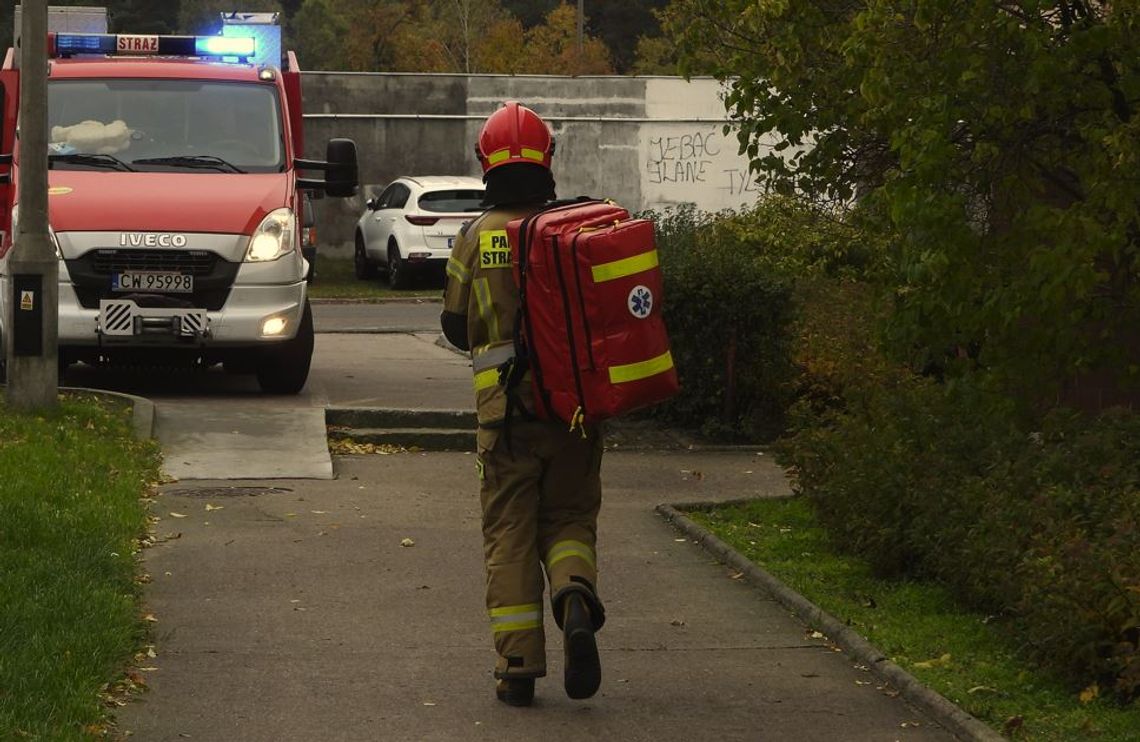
(175, 196)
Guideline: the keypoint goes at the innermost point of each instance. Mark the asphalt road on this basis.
(408, 315)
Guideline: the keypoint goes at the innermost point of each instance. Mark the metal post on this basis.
(33, 269)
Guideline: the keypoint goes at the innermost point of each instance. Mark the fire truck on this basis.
(176, 190)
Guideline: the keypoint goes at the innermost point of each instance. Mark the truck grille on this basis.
(213, 275)
(194, 262)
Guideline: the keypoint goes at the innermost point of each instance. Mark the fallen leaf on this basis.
(429, 703)
(407, 542)
(210, 508)
(1090, 693)
(676, 622)
(150, 617)
(942, 661)
(319, 512)
(982, 689)
(177, 515)
(737, 576)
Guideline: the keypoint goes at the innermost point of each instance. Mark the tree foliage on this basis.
(466, 36)
(998, 140)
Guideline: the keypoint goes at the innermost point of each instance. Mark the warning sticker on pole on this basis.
(27, 301)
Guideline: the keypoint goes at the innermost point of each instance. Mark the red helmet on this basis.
(512, 134)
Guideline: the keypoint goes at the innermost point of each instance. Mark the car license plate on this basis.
(158, 281)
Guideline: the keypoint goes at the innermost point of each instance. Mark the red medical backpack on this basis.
(591, 299)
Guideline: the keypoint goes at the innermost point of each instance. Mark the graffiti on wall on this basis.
(694, 164)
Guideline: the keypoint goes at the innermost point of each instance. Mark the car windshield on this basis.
(452, 201)
(187, 125)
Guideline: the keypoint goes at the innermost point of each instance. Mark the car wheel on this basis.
(397, 270)
(285, 369)
(361, 265)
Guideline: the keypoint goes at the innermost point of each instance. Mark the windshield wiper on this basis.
(107, 161)
(191, 161)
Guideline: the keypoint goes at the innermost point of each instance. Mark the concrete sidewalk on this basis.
(296, 614)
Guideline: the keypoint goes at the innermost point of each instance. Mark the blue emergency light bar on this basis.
(223, 47)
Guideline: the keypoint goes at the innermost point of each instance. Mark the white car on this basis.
(411, 226)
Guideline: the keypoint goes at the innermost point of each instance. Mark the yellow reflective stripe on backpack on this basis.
(642, 370)
(625, 267)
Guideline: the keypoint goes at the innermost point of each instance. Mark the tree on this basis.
(620, 26)
(530, 13)
(997, 139)
(318, 36)
(552, 48)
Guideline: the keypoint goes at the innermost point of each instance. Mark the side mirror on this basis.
(370, 204)
(341, 176)
(340, 170)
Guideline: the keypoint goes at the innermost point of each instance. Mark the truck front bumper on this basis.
(139, 321)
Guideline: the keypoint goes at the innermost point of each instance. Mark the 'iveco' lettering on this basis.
(151, 239)
(494, 250)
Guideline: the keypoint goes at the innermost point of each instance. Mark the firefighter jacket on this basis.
(481, 287)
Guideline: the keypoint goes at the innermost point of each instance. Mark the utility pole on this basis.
(33, 268)
(581, 26)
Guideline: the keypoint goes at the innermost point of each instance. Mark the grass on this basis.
(71, 516)
(969, 658)
(335, 280)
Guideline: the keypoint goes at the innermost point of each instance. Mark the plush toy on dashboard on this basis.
(91, 137)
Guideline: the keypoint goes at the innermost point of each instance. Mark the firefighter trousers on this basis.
(540, 497)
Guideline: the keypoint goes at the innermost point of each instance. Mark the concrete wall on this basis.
(644, 142)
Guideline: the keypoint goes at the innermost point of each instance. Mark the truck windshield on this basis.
(183, 124)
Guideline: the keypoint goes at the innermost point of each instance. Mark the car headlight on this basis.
(51, 232)
(274, 237)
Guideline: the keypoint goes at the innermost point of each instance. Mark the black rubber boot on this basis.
(515, 691)
(583, 668)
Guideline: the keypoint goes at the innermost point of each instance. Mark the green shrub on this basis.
(730, 283)
(1036, 523)
(728, 323)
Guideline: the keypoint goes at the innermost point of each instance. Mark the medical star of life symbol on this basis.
(640, 302)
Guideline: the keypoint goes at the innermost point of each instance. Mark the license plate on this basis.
(156, 281)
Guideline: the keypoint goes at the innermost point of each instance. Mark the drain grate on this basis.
(228, 491)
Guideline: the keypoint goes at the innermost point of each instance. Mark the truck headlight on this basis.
(274, 237)
(51, 232)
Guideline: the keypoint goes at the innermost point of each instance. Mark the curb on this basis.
(946, 713)
(392, 417)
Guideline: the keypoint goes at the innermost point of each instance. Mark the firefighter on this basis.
(540, 488)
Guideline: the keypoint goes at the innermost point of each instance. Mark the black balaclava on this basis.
(518, 183)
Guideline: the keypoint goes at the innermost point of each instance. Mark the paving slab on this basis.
(408, 371)
(296, 614)
(208, 439)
